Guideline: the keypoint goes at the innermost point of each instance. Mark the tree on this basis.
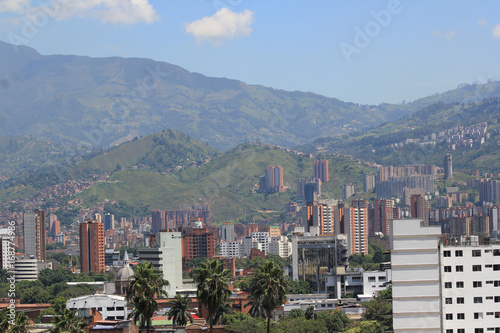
(256, 310)
(270, 285)
(310, 314)
(379, 309)
(222, 311)
(296, 313)
(335, 321)
(67, 321)
(180, 311)
(147, 285)
(212, 280)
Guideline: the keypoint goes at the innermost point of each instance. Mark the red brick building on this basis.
(92, 246)
(197, 243)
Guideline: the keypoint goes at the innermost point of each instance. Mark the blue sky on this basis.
(365, 52)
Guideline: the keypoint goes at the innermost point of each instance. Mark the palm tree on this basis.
(256, 310)
(21, 323)
(147, 285)
(67, 321)
(180, 311)
(269, 285)
(212, 280)
(222, 310)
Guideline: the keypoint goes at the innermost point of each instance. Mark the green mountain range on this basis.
(380, 144)
(100, 102)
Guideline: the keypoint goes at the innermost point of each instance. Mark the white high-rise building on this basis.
(166, 258)
(227, 232)
(230, 249)
(280, 246)
(451, 287)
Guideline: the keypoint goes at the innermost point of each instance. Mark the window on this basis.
(478, 330)
(459, 253)
(478, 315)
(447, 253)
(489, 313)
(119, 308)
(496, 267)
(488, 266)
(477, 284)
(478, 300)
(461, 330)
(371, 279)
(497, 314)
(496, 283)
(110, 308)
(460, 284)
(448, 300)
(449, 331)
(447, 284)
(476, 268)
(476, 253)
(449, 316)
(460, 300)
(447, 269)
(497, 299)
(459, 268)
(489, 298)
(496, 252)
(489, 282)
(381, 278)
(99, 309)
(461, 316)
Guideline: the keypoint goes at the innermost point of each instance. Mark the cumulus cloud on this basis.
(496, 31)
(447, 35)
(108, 11)
(14, 6)
(221, 26)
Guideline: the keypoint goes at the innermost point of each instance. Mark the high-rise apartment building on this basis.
(35, 235)
(109, 222)
(320, 170)
(448, 167)
(92, 256)
(384, 213)
(197, 243)
(356, 229)
(443, 286)
(368, 182)
(227, 232)
(173, 219)
(419, 208)
(274, 179)
(347, 191)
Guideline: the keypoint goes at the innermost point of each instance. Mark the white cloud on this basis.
(447, 35)
(14, 6)
(496, 31)
(108, 11)
(221, 26)
(482, 22)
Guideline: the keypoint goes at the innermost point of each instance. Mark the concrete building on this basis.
(368, 182)
(35, 235)
(280, 246)
(320, 170)
(111, 307)
(384, 213)
(415, 276)
(274, 179)
(25, 269)
(7, 249)
(166, 256)
(448, 167)
(109, 222)
(419, 208)
(312, 258)
(347, 191)
(92, 256)
(394, 186)
(227, 232)
(197, 243)
(356, 229)
(231, 249)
